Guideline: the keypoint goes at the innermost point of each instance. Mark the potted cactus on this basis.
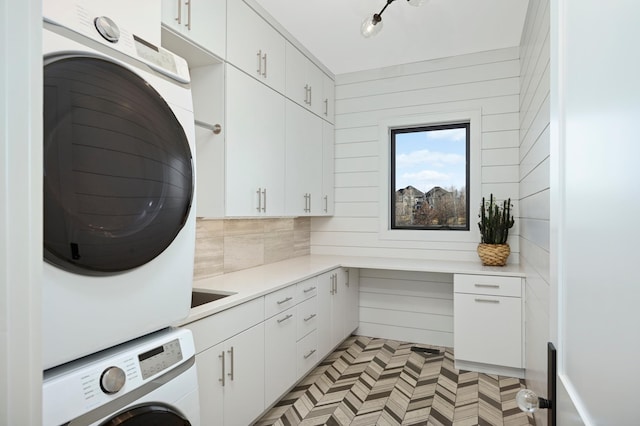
(495, 222)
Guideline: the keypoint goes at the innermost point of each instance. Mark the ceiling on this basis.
(330, 29)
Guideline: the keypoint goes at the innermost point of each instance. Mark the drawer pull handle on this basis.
(285, 318)
(310, 353)
(487, 301)
(310, 317)
(221, 356)
(280, 302)
(307, 290)
(487, 285)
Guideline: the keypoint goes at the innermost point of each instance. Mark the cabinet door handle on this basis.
(331, 286)
(310, 96)
(188, 24)
(335, 283)
(285, 300)
(307, 290)
(326, 107)
(487, 285)
(281, 320)
(487, 300)
(179, 18)
(306, 94)
(221, 380)
(326, 203)
(264, 71)
(264, 202)
(310, 317)
(259, 70)
(230, 374)
(346, 271)
(259, 192)
(309, 354)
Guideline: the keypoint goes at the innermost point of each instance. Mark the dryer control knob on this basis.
(107, 28)
(112, 380)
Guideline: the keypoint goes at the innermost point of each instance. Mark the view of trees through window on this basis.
(430, 177)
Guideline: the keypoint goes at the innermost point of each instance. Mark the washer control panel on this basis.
(83, 385)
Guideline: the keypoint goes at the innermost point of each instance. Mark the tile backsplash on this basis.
(227, 245)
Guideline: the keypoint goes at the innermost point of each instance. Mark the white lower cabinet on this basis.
(337, 308)
(488, 320)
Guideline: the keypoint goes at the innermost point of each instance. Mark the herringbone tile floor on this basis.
(371, 382)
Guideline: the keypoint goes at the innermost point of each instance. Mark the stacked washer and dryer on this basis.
(119, 227)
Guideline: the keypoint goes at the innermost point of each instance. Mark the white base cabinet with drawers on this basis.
(488, 323)
(250, 355)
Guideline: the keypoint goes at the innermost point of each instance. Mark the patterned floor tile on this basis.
(377, 382)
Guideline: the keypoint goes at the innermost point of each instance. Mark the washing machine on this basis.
(151, 380)
(119, 185)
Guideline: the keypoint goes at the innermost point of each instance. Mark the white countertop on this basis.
(255, 282)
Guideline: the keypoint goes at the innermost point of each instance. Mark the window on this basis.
(430, 177)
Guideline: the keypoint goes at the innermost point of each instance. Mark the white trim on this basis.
(474, 117)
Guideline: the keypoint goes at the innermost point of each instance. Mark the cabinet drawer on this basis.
(488, 329)
(306, 289)
(487, 284)
(307, 353)
(214, 329)
(279, 301)
(307, 317)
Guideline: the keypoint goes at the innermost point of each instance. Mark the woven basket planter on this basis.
(493, 254)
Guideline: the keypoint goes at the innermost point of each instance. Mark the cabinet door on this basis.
(303, 154)
(327, 169)
(488, 329)
(211, 390)
(206, 24)
(280, 354)
(352, 302)
(244, 386)
(304, 81)
(254, 46)
(339, 306)
(324, 324)
(254, 147)
(203, 22)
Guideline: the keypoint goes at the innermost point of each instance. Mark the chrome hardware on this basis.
(306, 94)
(188, 4)
(107, 28)
(487, 300)
(215, 128)
(326, 107)
(307, 290)
(259, 70)
(280, 302)
(221, 380)
(281, 320)
(310, 317)
(347, 272)
(112, 380)
(264, 58)
(264, 204)
(326, 203)
(487, 285)
(230, 374)
(179, 18)
(259, 192)
(309, 354)
(310, 95)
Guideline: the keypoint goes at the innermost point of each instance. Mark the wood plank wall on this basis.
(487, 81)
(534, 190)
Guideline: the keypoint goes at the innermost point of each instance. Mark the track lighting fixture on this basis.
(372, 25)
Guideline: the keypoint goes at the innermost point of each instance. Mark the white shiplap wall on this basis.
(534, 190)
(488, 82)
(400, 305)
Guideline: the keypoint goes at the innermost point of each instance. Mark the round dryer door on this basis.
(145, 415)
(118, 170)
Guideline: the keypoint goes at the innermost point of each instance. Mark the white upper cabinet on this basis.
(304, 81)
(255, 156)
(328, 167)
(203, 22)
(303, 154)
(254, 46)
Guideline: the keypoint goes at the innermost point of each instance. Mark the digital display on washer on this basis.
(151, 53)
(157, 359)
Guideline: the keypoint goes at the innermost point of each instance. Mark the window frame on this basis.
(392, 164)
(474, 118)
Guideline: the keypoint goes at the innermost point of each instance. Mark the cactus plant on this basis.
(495, 221)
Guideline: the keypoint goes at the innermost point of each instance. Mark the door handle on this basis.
(230, 374)
(179, 18)
(259, 70)
(221, 380)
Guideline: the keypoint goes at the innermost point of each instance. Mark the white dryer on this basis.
(148, 381)
(119, 184)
